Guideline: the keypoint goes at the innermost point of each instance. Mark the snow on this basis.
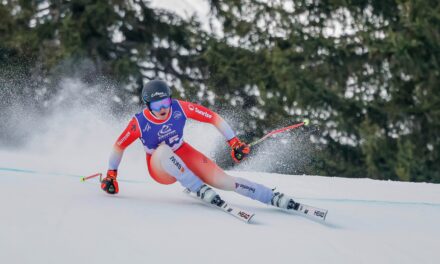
(49, 216)
(53, 217)
(189, 8)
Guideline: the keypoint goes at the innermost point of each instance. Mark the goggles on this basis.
(159, 104)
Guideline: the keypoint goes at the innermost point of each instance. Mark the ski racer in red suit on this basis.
(169, 158)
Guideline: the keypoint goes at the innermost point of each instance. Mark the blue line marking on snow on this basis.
(17, 170)
(55, 173)
(38, 172)
(338, 200)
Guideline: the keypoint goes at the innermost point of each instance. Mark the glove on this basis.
(239, 149)
(109, 183)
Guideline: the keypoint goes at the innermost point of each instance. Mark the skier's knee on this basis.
(164, 157)
(158, 171)
(169, 161)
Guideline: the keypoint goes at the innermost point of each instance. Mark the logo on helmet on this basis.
(159, 94)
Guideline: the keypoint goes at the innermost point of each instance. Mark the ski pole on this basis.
(305, 122)
(92, 176)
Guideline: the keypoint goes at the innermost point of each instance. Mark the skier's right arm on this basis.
(130, 134)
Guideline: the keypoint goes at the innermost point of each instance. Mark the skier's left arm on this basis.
(128, 136)
(200, 113)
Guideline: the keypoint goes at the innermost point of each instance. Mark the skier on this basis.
(169, 158)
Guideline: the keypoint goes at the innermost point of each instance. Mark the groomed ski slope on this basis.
(55, 218)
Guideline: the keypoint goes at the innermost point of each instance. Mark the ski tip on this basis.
(250, 220)
(322, 215)
(325, 216)
(82, 179)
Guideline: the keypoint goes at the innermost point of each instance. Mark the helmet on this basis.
(155, 90)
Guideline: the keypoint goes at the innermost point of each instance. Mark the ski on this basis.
(236, 212)
(314, 212)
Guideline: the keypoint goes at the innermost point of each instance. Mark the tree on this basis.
(370, 85)
(366, 72)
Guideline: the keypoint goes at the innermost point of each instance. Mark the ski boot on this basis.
(284, 202)
(208, 195)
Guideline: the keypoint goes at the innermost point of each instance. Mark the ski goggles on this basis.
(159, 104)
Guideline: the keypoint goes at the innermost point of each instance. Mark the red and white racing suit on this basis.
(153, 132)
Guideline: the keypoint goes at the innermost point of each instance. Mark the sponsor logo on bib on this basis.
(177, 115)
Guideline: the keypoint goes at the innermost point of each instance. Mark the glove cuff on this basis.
(233, 142)
(112, 174)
